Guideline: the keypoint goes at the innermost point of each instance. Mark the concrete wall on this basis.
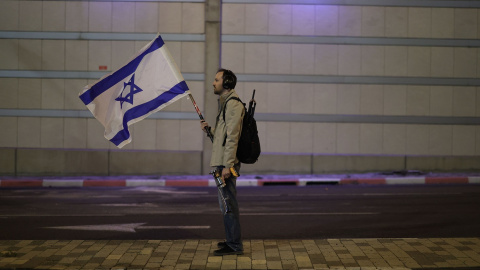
(375, 64)
(56, 162)
(341, 60)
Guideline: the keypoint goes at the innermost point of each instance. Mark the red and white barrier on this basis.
(132, 182)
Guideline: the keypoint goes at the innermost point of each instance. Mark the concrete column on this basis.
(213, 22)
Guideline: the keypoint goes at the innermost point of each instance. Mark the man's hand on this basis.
(204, 125)
(225, 174)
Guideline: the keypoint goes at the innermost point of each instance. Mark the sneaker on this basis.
(227, 251)
(221, 244)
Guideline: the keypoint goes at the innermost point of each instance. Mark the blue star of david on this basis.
(134, 89)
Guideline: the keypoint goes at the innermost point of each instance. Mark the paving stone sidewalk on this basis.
(396, 253)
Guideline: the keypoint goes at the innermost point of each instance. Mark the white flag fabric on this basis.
(147, 84)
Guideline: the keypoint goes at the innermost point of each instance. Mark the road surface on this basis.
(269, 212)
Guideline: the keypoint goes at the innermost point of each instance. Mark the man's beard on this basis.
(216, 92)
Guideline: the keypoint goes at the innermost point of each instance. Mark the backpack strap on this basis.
(225, 106)
(224, 109)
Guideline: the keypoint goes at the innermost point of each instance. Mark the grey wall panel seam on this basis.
(395, 3)
(183, 1)
(87, 114)
(335, 40)
(371, 119)
(267, 117)
(286, 78)
(99, 36)
(386, 3)
(383, 80)
(46, 74)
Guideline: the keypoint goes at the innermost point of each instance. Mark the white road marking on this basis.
(409, 194)
(169, 191)
(173, 227)
(128, 227)
(129, 204)
(63, 215)
(310, 214)
(348, 194)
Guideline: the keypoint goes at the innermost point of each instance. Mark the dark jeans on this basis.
(231, 220)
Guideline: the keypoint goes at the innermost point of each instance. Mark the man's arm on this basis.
(204, 126)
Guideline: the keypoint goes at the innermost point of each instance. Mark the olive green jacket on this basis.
(227, 131)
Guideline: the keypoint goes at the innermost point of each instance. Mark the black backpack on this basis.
(248, 149)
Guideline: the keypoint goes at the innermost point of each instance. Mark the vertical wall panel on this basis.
(463, 140)
(419, 22)
(417, 140)
(100, 16)
(193, 18)
(325, 98)
(396, 22)
(146, 14)
(72, 88)
(29, 93)
(326, 20)
(443, 23)
(52, 132)
(9, 53)
(394, 139)
(29, 132)
(256, 19)
(9, 13)
(326, 59)
(441, 101)
(53, 94)
(76, 13)
(303, 20)
(9, 135)
(395, 100)
(53, 16)
(233, 19)
(440, 140)
(371, 138)
(75, 133)
(350, 21)
(123, 17)
(9, 93)
(170, 17)
(466, 23)
(373, 21)
(418, 100)
(371, 99)
(280, 20)
(30, 54)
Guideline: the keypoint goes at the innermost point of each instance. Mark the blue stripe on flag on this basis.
(147, 107)
(118, 75)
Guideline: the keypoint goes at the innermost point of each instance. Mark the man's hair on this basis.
(229, 78)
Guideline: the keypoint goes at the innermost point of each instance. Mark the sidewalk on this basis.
(247, 180)
(409, 253)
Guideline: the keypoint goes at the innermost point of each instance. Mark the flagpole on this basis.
(209, 134)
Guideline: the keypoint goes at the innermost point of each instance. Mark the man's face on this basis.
(218, 83)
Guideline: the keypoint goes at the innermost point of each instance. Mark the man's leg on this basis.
(231, 219)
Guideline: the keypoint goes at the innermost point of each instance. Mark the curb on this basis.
(6, 183)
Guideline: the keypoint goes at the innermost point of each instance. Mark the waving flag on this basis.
(147, 84)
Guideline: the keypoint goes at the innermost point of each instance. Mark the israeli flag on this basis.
(147, 84)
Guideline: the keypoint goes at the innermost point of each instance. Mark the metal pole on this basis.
(209, 134)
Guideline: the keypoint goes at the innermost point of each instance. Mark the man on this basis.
(225, 141)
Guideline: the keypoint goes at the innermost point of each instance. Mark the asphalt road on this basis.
(275, 212)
